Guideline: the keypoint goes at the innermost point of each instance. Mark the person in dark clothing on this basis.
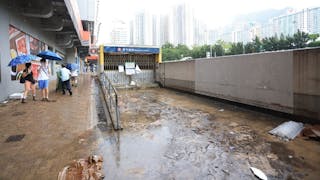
(29, 83)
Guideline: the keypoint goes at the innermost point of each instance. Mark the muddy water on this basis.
(173, 135)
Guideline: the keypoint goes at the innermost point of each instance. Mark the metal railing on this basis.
(111, 98)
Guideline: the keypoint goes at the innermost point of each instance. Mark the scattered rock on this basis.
(81, 141)
(233, 124)
(272, 156)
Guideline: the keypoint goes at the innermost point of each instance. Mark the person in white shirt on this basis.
(43, 79)
(65, 78)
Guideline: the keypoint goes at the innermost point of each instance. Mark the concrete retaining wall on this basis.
(179, 75)
(306, 82)
(286, 81)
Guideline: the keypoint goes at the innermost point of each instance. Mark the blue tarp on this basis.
(138, 50)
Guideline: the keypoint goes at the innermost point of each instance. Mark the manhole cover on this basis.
(15, 138)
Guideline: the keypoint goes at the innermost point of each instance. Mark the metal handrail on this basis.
(111, 98)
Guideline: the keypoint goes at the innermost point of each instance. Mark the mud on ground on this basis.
(173, 135)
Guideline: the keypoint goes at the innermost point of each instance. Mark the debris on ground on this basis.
(287, 130)
(88, 169)
(221, 110)
(311, 132)
(257, 172)
(4, 102)
(81, 141)
(16, 96)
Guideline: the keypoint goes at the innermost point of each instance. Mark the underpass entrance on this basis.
(131, 65)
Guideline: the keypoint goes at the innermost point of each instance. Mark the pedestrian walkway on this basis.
(54, 133)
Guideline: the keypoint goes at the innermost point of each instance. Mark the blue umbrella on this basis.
(72, 66)
(22, 59)
(49, 55)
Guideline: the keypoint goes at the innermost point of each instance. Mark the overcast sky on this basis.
(214, 13)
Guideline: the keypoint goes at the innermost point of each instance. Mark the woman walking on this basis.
(29, 83)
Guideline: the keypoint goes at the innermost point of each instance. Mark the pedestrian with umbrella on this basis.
(44, 72)
(43, 79)
(73, 67)
(29, 83)
(27, 76)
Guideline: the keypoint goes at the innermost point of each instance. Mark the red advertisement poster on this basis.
(18, 46)
(34, 46)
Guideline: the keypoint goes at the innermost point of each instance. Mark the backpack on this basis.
(20, 78)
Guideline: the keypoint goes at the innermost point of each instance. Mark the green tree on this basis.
(218, 50)
(183, 50)
(283, 42)
(196, 52)
(236, 48)
(313, 37)
(300, 39)
(167, 45)
(250, 47)
(257, 44)
(314, 44)
(169, 54)
(225, 45)
(290, 42)
(271, 43)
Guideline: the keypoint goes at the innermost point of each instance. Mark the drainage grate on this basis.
(15, 138)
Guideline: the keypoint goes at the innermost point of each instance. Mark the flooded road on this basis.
(173, 135)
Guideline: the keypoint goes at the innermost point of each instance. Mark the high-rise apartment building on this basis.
(200, 33)
(131, 29)
(313, 21)
(183, 25)
(213, 36)
(120, 33)
(164, 29)
(155, 30)
(306, 20)
(142, 28)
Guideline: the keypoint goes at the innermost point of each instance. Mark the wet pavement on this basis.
(55, 133)
(166, 135)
